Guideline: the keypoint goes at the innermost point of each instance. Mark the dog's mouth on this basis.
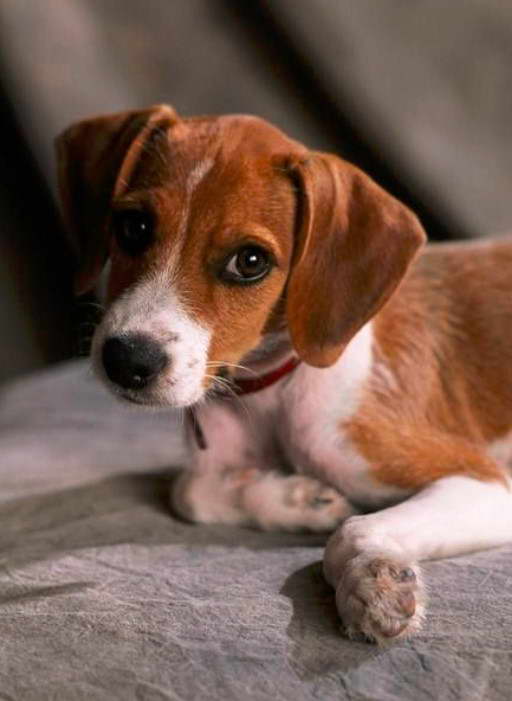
(160, 395)
(132, 399)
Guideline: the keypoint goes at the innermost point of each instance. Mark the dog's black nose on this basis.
(132, 361)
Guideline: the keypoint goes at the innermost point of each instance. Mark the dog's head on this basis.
(219, 231)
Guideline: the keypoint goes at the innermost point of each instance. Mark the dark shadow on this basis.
(277, 48)
(128, 509)
(317, 644)
(44, 592)
(32, 241)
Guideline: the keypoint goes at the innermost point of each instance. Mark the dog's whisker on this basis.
(222, 383)
(226, 386)
(181, 417)
(226, 364)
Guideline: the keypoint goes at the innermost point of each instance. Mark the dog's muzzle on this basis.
(133, 361)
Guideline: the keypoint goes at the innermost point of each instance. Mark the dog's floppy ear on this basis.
(354, 245)
(94, 159)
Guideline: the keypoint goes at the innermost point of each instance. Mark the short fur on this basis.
(403, 401)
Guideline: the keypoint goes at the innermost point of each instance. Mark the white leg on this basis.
(232, 482)
(372, 560)
(266, 500)
(277, 502)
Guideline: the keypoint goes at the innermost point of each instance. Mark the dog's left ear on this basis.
(354, 245)
(94, 159)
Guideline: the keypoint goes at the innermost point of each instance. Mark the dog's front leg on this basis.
(372, 560)
(236, 480)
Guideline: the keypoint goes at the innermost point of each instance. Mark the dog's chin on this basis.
(133, 399)
(153, 401)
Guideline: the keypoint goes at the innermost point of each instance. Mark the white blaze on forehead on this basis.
(196, 175)
(154, 306)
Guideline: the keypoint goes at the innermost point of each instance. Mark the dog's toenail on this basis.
(318, 502)
(407, 574)
(394, 629)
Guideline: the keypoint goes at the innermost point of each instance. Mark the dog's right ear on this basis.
(355, 242)
(95, 157)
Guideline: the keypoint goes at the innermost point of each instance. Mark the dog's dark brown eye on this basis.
(133, 230)
(247, 265)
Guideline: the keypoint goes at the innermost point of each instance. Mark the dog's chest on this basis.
(306, 416)
(311, 436)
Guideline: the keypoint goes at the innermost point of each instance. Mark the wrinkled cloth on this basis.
(105, 596)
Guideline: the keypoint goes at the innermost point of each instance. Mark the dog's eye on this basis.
(249, 264)
(133, 230)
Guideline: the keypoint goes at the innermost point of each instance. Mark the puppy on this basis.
(334, 380)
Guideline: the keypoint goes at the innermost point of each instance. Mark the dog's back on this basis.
(442, 382)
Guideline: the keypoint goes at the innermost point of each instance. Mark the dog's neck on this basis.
(274, 351)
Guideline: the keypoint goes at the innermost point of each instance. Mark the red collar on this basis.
(255, 384)
(242, 386)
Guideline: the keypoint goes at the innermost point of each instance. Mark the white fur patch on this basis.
(315, 404)
(198, 173)
(501, 450)
(152, 307)
(451, 516)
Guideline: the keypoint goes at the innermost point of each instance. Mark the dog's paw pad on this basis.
(380, 599)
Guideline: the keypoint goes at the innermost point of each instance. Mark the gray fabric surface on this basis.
(103, 595)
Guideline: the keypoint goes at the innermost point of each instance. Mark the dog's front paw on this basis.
(294, 503)
(380, 598)
(318, 506)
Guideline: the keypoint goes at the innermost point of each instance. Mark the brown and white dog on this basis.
(233, 250)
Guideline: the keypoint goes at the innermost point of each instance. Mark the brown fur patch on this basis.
(442, 385)
(355, 243)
